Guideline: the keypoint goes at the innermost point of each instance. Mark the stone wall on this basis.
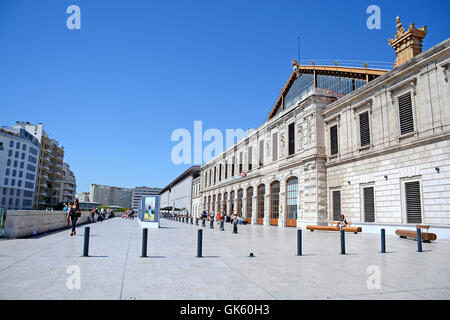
(26, 223)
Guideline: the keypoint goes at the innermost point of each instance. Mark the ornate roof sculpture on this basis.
(407, 44)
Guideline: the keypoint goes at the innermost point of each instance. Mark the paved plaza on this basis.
(37, 268)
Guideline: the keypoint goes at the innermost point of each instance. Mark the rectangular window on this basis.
(232, 167)
(24, 147)
(23, 156)
(226, 170)
(261, 153)
(336, 205)
(240, 163)
(275, 146)
(11, 144)
(215, 174)
(10, 153)
(405, 113)
(250, 151)
(364, 129)
(413, 203)
(291, 138)
(6, 181)
(210, 174)
(17, 145)
(16, 155)
(206, 178)
(334, 149)
(369, 204)
(7, 171)
(220, 172)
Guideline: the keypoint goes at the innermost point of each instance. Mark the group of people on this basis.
(233, 218)
(100, 215)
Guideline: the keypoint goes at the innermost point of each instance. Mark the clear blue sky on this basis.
(113, 92)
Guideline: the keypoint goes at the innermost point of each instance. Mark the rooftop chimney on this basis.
(407, 44)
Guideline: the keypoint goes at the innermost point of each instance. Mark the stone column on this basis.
(244, 204)
(267, 209)
(282, 211)
(254, 208)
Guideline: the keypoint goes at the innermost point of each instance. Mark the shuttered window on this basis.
(405, 114)
(291, 138)
(226, 170)
(364, 129)
(369, 205)
(240, 163)
(334, 140)
(413, 205)
(250, 160)
(336, 205)
(275, 146)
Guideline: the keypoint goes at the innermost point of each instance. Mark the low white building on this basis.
(178, 193)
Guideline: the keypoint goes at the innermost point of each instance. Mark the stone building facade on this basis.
(377, 152)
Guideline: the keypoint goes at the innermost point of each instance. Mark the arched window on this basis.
(291, 201)
(214, 203)
(274, 201)
(261, 194)
(249, 203)
(232, 201)
(209, 204)
(239, 202)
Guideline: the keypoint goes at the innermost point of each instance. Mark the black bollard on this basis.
(222, 228)
(383, 241)
(235, 228)
(199, 243)
(203, 222)
(299, 242)
(342, 242)
(144, 242)
(87, 231)
(419, 240)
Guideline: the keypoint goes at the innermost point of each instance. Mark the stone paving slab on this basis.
(36, 268)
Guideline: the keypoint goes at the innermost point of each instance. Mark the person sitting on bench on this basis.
(342, 222)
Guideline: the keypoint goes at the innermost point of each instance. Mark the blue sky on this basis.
(113, 92)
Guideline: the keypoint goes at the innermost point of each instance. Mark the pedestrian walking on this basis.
(75, 213)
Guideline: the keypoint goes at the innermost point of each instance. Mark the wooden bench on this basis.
(333, 227)
(426, 236)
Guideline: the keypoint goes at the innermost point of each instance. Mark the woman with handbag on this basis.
(75, 213)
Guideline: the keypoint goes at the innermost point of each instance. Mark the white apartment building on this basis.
(19, 153)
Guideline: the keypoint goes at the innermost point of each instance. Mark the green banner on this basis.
(2, 221)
